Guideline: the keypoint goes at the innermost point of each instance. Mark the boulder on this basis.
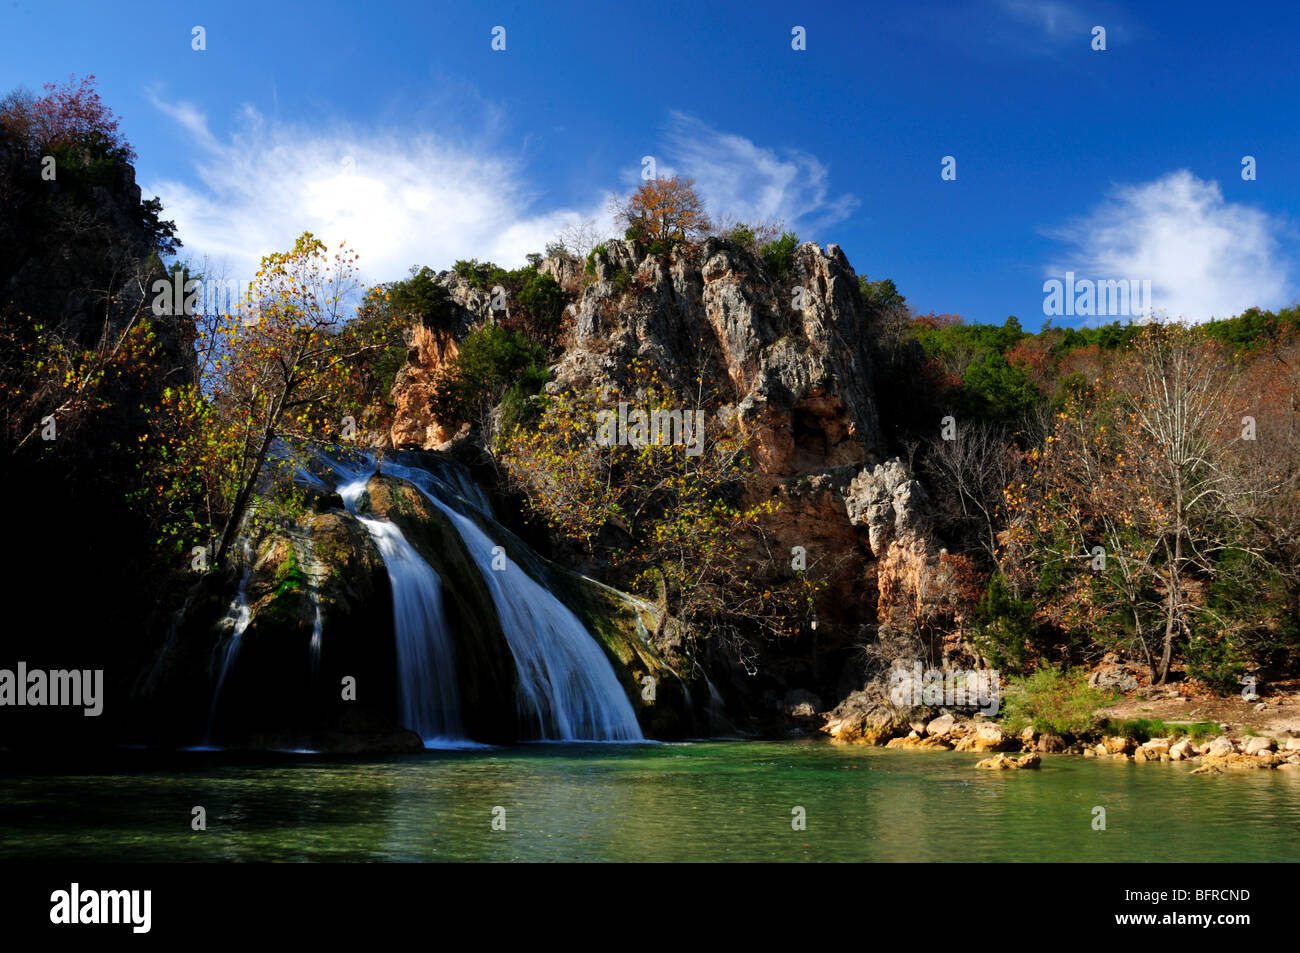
(862, 718)
(1181, 750)
(1114, 674)
(1118, 745)
(1000, 762)
(985, 738)
(1258, 745)
(1156, 747)
(1218, 762)
(941, 726)
(1219, 747)
(1051, 744)
(915, 741)
(801, 703)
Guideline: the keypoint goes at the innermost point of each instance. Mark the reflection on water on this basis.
(707, 801)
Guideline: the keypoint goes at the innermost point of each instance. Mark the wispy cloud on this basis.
(743, 181)
(1205, 257)
(1056, 19)
(397, 198)
(402, 198)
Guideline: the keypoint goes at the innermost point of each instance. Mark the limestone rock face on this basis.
(889, 503)
(413, 420)
(792, 356)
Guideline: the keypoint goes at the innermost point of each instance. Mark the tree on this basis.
(575, 240)
(490, 360)
(663, 518)
(287, 371)
(71, 115)
(1141, 465)
(975, 467)
(663, 211)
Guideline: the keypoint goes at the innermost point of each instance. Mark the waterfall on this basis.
(237, 618)
(427, 693)
(568, 689)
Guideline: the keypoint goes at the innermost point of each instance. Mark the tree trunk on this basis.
(246, 491)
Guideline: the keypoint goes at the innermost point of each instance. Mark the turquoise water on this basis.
(712, 801)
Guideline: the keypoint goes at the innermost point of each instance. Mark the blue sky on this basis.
(396, 128)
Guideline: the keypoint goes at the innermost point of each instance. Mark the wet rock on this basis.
(1000, 762)
(1051, 744)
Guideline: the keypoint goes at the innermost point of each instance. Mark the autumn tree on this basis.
(284, 370)
(667, 519)
(663, 211)
(1133, 504)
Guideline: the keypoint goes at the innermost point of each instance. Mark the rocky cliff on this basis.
(792, 357)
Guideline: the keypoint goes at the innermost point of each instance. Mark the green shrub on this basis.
(597, 252)
(742, 235)
(779, 255)
(1003, 626)
(1052, 700)
(521, 404)
(1213, 660)
(543, 298)
(490, 360)
(421, 297)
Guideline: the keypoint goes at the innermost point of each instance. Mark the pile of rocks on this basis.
(1214, 755)
(947, 733)
(876, 724)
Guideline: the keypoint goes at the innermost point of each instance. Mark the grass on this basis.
(1144, 729)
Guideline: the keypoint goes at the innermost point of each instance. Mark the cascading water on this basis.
(429, 700)
(567, 686)
(237, 618)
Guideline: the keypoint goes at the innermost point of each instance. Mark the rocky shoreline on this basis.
(876, 725)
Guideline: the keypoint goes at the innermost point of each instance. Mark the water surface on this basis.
(709, 801)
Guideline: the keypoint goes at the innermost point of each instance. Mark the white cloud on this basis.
(398, 199)
(401, 198)
(1205, 257)
(746, 182)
